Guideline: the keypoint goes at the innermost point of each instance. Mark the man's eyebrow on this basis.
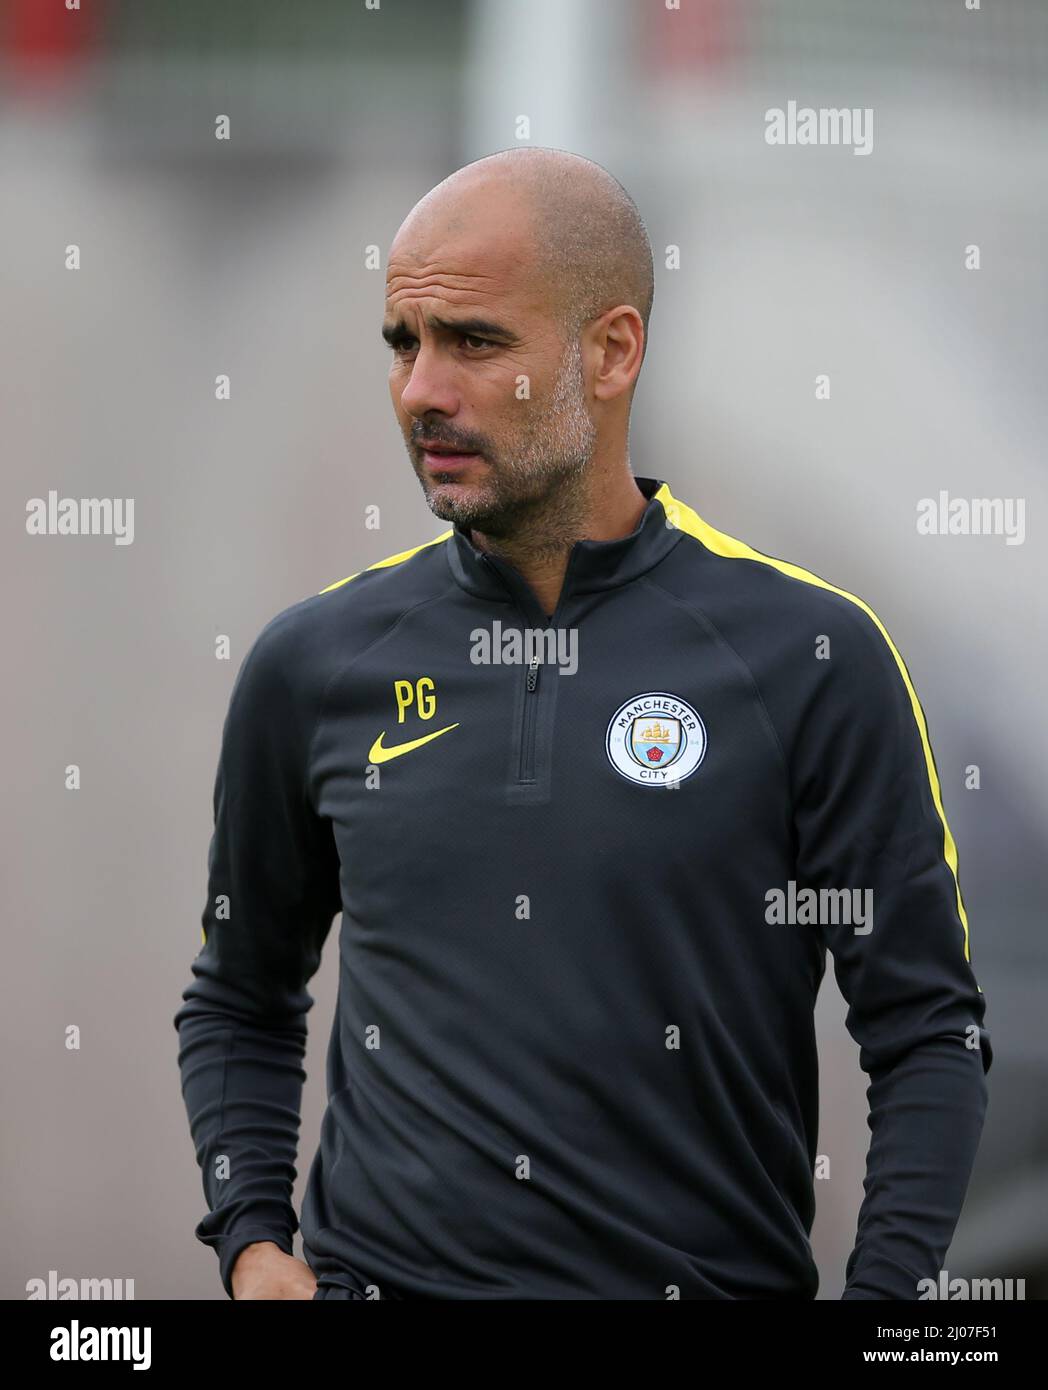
(474, 327)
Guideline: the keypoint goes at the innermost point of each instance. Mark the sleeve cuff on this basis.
(881, 1279)
(233, 1244)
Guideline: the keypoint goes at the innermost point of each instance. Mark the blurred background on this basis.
(248, 256)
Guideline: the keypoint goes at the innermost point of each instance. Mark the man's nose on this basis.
(430, 386)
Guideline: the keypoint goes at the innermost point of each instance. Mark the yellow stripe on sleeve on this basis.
(391, 560)
(689, 521)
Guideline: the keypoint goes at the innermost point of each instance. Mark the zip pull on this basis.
(533, 673)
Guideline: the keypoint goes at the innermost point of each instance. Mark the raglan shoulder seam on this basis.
(388, 563)
(704, 620)
(722, 546)
(342, 667)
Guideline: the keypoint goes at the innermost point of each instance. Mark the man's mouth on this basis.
(444, 457)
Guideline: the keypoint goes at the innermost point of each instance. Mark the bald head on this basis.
(584, 237)
(517, 300)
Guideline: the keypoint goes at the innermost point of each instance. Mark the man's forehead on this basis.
(470, 254)
(465, 245)
(462, 278)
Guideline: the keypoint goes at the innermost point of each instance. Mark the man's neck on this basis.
(604, 507)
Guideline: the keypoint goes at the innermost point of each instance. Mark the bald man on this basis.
(594, 787)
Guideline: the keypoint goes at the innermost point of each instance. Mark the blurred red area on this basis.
(41, 36)
(701, 35)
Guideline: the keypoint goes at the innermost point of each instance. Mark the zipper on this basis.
(528, 723)
(529, 719)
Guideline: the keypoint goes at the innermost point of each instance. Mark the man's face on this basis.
(479, 368)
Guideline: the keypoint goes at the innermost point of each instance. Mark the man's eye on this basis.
(471, 340)
(399, 344)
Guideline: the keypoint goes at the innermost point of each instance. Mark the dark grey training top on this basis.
(586, 895)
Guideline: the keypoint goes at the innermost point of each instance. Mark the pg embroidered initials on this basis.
(420, 693)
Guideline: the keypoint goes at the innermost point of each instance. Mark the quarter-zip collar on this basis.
(592, 565)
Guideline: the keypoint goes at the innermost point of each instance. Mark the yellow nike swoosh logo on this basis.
(379, 754)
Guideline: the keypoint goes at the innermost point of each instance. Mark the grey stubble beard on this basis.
(542, 510)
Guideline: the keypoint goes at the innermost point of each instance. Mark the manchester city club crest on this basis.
(656, 739)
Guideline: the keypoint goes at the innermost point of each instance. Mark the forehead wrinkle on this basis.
(399, 300)
(515, 295)
(398, 279)
(412, 273)
(462, 262)
(405, 293)
(435, 267)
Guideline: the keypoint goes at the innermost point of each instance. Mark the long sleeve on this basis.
(868, 816)
(273, 889)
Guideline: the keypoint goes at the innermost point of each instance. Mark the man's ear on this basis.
(619, 343)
